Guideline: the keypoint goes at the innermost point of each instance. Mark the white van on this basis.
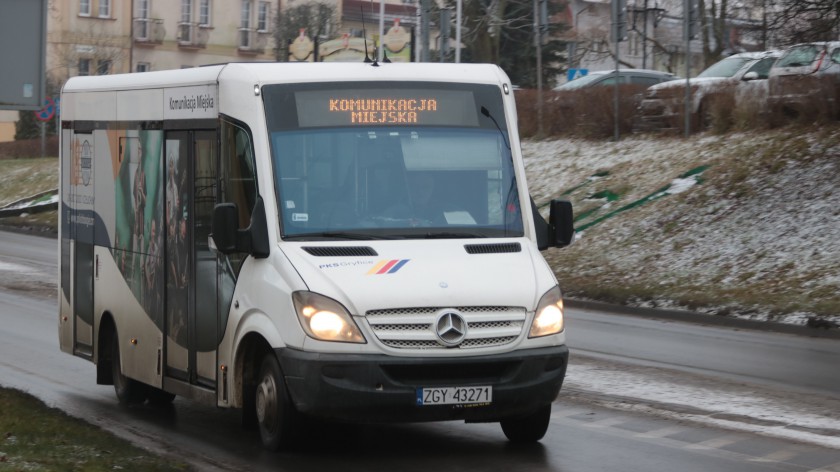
(343, 241)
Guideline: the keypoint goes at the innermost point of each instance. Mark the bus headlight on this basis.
(548, 318)
(325, 319)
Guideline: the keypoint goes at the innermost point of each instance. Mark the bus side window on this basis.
(238, 180)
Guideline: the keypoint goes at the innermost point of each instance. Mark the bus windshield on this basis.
(392, 161)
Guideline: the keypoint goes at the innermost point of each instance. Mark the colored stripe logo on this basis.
(388, 267)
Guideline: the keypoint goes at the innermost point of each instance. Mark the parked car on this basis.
(806, 80)
(738, 77)
(644, 77)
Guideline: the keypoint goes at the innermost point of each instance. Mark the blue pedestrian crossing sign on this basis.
(573, 74)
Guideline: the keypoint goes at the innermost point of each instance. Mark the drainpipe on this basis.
(131, 38)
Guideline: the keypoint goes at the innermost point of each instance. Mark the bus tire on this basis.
(278, 421)
(129, 391)
(527, 429)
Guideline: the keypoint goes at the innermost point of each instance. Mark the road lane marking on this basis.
(661, 432)
(716, 443)
(777, 456)
(606, 422)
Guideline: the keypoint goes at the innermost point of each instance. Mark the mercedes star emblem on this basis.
(450, 328)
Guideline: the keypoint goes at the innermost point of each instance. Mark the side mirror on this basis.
(229, 238)
(561, 223)
(752, 75)
(559, 231)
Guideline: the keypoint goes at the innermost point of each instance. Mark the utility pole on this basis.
(538, 50)
(691, 20)
(619, 34)
(644, 36)
(424, 31)
(445, 20)
(458, 31)
(380, 51)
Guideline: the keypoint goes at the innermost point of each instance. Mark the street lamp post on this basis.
(644, 36)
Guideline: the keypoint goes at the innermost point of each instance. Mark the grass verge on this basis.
(34, 437)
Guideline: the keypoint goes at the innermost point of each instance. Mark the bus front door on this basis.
(192, 316)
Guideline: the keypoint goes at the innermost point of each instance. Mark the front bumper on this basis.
(381, 388)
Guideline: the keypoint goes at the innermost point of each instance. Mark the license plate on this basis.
(454, 395)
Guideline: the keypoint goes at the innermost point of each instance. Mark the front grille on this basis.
(414, 328)
(435, 373)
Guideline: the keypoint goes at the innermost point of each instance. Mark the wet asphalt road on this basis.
(582, 437)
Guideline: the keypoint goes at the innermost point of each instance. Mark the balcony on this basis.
(192, 36)
(149, 31)
(251, 41)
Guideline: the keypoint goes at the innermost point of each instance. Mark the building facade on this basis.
(87, 37)
(169, 34)
(90, 37)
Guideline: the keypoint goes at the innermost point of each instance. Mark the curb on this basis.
(703, 319)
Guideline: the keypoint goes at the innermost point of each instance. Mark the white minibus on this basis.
(346, 242)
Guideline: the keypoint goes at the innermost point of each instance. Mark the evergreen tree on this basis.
(517, 52)
(29, 127)
(502, 32)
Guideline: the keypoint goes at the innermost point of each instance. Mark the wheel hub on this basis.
(266, 401)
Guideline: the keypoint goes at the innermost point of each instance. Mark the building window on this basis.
(186, 11)
(143, 67)
(84, 7)
(262, 16)
(245, 18)
(104, 8)
(245, 25)
(142, 20)
(204, 13)
(185, 25)
(103, 67)
(84, 66)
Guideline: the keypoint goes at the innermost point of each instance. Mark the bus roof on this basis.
(267, 73)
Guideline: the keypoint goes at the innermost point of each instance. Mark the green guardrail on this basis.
(678, 185)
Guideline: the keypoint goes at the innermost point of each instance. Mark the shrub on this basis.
(586, 112)
(29, 148)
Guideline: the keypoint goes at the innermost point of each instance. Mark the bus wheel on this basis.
(129, 391)
(276, 416)
(528, 429)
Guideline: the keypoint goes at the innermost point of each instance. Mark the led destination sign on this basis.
(319, 108)
(383, 110)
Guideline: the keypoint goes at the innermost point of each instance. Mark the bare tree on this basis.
(798, 21)
(714, 29)
(104, 51)
(482, 29)
(101, 51)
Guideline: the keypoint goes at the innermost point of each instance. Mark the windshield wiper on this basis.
(337, 235)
